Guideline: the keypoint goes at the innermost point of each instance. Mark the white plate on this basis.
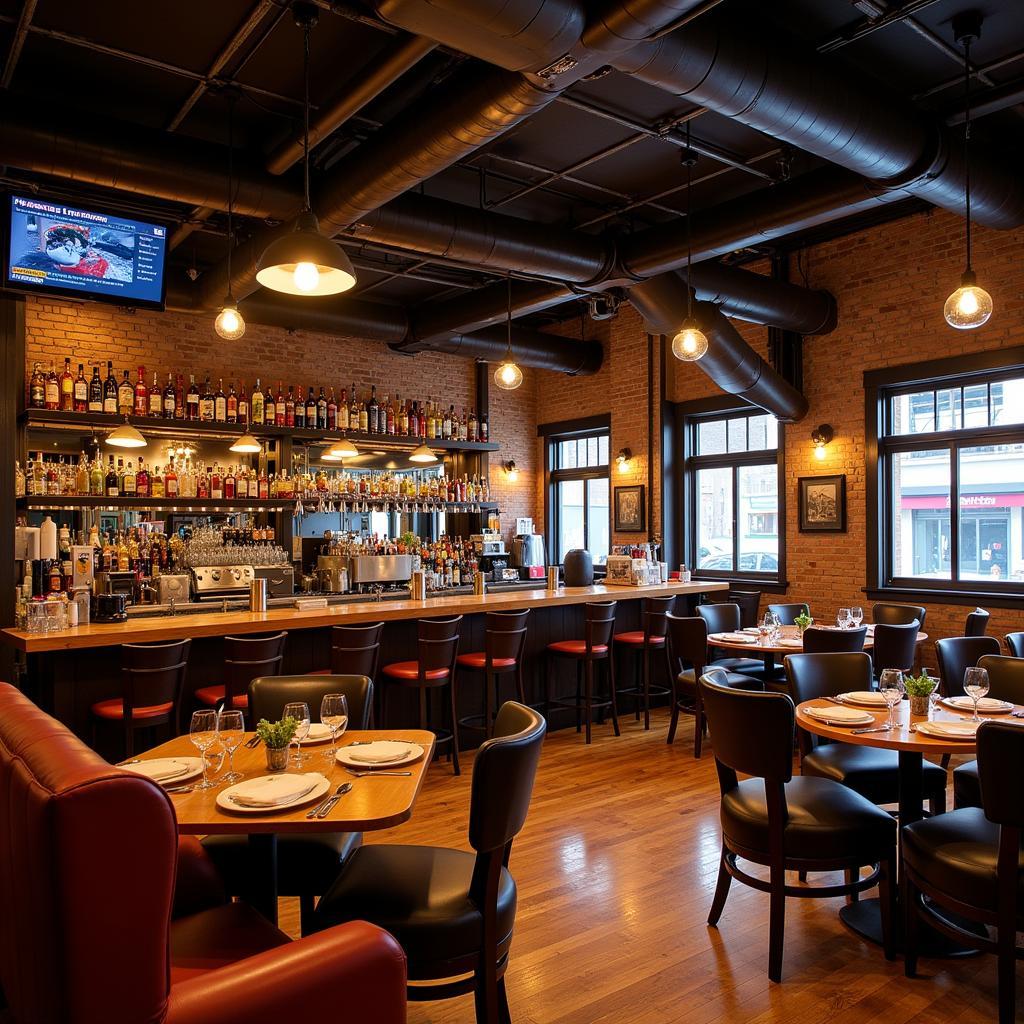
(865, 698)
(315, 736)
(949, 730)
(840, 716)
(790, 642)
(225, 803)
(193, 768)
(344, 756)
(986, 706)
(733, 638)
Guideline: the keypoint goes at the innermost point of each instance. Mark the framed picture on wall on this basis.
(822, 504)
(629, 509)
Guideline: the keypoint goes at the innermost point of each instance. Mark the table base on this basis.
(865, 918)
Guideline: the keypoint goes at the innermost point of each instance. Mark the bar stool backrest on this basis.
(355, 650)
(655, 611)
(898, 614)
(895, 646)
(600, 624)
(977, 622)
(505, 635)
(787, 613)
(955, 655)
(687, 642)
(438, 644)
(1005, 677)
(831, 641)
(152, 674)
(269, 694)
(245, 658)
(721, 618)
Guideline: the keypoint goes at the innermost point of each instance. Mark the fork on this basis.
(325, 808)
(340, 791)
(360, 775)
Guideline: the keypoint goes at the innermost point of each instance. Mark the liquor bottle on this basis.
(110, 390)
(179, 397)
(300, 410)
(156, 483)
(142, 481)
(156, 397)
(220, 404)
(67, 388)
(372, 412)
(353, 412)
(123, 558)
(482, 426)
(96, 477)
(242, 415)
(95, 402)
(231, 406)
(170, 401)
(37, 387)
(289, 407)
(364, 419)
(141, 394)
(343, 411)
(80, 392)
(257, 405)
(472, 428)
(216, 482)
(321, 409)
(229, 483)
(112, 483)
(387, 416)
(206, 406)
(125, 396)
(402, 420)
(82, 475)
(332, 411)
(203, 484)
(171, 480)
(128, 481)
(241, 483)
(269, 408)
(280, 413)
(52, 389)
(192, 399)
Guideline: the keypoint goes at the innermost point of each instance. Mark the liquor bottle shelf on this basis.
(50, 502)
(56, 419)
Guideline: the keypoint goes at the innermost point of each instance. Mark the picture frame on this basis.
(629, 509)
(822, 501)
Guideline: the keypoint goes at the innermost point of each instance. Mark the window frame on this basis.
(880, 387)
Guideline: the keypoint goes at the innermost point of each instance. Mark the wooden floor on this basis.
(616, 868)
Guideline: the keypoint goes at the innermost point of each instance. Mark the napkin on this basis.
(161, 770)
(957, 729)
(838, 714)
(872, 697)
(985, 704)
(790, 642)
(737, 638)
(317, 731)
(274, 790)
(379, 752)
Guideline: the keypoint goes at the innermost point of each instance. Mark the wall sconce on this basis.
(622, 459)
(511, 470)
(821, 437)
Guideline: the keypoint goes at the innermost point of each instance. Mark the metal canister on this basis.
(419, 585)
(258, 595)
(479, 587)
(552, 577)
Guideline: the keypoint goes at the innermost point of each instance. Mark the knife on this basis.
(874, 728)
(326, 808)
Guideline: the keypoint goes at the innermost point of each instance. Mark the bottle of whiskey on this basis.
(343, 411)
(128, 481)
(125, 396)
(289, 407)
(170, 399)
(52, 389)
(81, 392)
(37, 387)
(300, 410)
(67, 388)
(110, 390)
(220, 404)
(156, 397)
(171, 480)
(192, 399)
(112, 483)
(372, 412)
(332, 412)
(206, 408)
(281, 413)
(242, 414)
(95, 391)
(231, 404)
(141, 396)
(257, 404)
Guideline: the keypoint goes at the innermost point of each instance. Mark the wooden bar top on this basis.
(217, 623)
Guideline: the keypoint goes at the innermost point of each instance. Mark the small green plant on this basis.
(276, 735)
(919, 686)
(802, 621)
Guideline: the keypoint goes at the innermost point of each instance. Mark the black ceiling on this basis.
(593, 159)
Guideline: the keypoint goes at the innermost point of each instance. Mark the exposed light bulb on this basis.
(690, 343)
(307, 277)
(969, 306)
(508, 376)
(820, 453)
(229, 323)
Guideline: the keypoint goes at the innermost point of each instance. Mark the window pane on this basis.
(714, 519)
(570, 517)
(914, 414)
(920, 515)
(597, 520)
(976, 405)
(758, 518)
(602, 450)
(591, 451)
(567, 455)
(711, 437)
(738, 434)
(991, 499)
(948, 407)
(1008, 402)
(763, 433)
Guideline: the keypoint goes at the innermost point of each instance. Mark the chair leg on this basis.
(887, 903)
(937, 803)
(488, 707)
(647, 687)
(721, 892)
(521, 691)
(306, 908)
(504, 1015)
(589, 693)
(613, 697)
(777, 922)
(455, 730)
(485, 994)
(698, 724)
(1007, 975)
(944, 761)
(579, 698)
(852, 874)
(911, 925)
(674, 720)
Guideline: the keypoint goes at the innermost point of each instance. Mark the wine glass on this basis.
(856, 616)
(202, 731)
(299, 710)
(231, 732)
(843, 618)
(334, 714)
(891, 684)
(976, 686)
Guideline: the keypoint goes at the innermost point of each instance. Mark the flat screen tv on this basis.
(57, 248)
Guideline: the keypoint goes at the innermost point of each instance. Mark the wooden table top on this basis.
(898, 739)
(373, 803)
(788, 633)
(216, 623)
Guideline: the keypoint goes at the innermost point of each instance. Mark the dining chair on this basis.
(1015, 644)
(787, 613)
(977, 622)
(956, 654)
(968, 863)
(818, 640)
(788, 823)
(644, 642)
(725, 618)
(245, 659)
(898, 614)
(307, 863)
(453, 911)
(894, 646)
(688, 656)
(749, 602)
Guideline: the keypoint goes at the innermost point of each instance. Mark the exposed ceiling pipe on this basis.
(729, 361)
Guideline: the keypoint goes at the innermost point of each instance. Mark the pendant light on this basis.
(229, 323)
(125, 436)
(343, 449)
(508, 376)
(970, 305)
(246, 445)
(690, 343)
(422, 454)
(305, 262)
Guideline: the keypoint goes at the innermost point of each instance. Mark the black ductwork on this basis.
(729, 361)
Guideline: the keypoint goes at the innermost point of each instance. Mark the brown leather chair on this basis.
(110, 916)
(307, 863)
(434, 669)
(245, 658)
(833, 641)
(977, 622)
(1015, 644)
(970, 863)
(898, 614)
(595, 646)
(643, 642)
(749, 602)
(504, 643)
(788, 613)
(453, 911)
(688, 656)
(894, 646)
(789, 824)
(152, 680)
(725, 618)
(955, 655)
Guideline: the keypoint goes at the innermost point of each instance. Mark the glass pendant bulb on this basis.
(508, 376)
(307, 277)
(229, 323)
(690, 343)
(969, 306)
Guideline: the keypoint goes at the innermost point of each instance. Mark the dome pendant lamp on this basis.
(229, 323)
(970, 305)
(690, 342)
(508, 376)
(305, 262)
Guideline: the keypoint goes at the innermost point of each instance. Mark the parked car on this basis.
(750, 561)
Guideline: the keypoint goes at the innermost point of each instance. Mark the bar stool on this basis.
(643, 642)
(504, 640)
(596, 646)
(437, 647)
(152, 679)
(355, 651)
(245, 659)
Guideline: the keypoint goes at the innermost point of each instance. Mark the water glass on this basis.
(891, 685)
(976, 686)
(298, 710)
(334, 714)
(843, 618)
(856, 616)
(203, 733)
(231, 732)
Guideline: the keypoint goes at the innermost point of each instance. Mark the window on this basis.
(578, 492)
(731, 487)
(948, 479)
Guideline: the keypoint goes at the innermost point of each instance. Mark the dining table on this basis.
(379, 799)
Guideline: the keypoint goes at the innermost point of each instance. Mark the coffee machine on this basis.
(528, 550)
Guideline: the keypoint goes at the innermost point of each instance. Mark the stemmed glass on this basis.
(231, 732)
(856, 616)
(334, 714)
(843, 618)
(202, 731)
(976, 686)
(891, 684)
(300, 712)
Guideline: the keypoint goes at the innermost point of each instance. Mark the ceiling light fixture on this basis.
(422, 454)
(508, 376)
(970, 305)
(246, 445)
(229, 323)
(125, 436)
(690, 343)
(305, 262)
(343, 449)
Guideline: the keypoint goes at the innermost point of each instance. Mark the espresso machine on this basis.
(528, 550)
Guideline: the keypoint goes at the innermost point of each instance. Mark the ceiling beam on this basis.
(28, 11)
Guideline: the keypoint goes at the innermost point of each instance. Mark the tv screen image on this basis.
(76, 251)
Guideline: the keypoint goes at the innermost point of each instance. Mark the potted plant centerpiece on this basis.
(802, 621)
(277, 737)
(919, 690)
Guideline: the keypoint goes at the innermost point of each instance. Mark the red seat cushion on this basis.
(114, 710)
(213, 695)
(411, 670)
(478, 659)
(319, 672)
(577, 647)
(637, 637)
